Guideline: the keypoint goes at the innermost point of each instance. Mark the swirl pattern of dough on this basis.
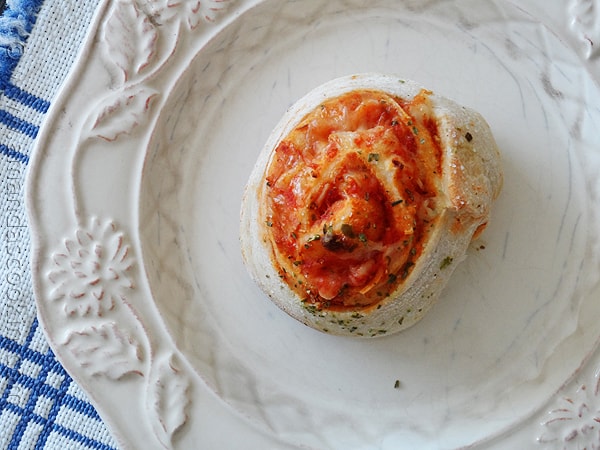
(363, 201)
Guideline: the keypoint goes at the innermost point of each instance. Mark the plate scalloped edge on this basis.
(90, 278)
(92, 272)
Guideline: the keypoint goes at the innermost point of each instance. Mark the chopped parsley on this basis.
(446, 262)
(406, 269)
(347, 230)
(373, 157)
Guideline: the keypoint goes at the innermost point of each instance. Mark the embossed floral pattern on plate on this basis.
(137, 271)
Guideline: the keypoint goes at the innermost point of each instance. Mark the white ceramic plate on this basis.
(134, 194)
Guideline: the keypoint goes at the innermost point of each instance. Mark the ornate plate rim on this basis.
(159, 373)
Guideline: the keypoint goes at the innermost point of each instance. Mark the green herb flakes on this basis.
(446, 262)
(347, 230)
(406, 269)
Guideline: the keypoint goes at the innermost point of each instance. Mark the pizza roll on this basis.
(364, 200)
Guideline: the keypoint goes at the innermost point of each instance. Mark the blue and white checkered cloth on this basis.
(40, 405)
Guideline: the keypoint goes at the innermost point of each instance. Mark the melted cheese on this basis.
(352, 193)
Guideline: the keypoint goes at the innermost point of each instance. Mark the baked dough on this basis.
(364, 200)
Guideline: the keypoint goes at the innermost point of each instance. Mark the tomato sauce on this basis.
(352, 193)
